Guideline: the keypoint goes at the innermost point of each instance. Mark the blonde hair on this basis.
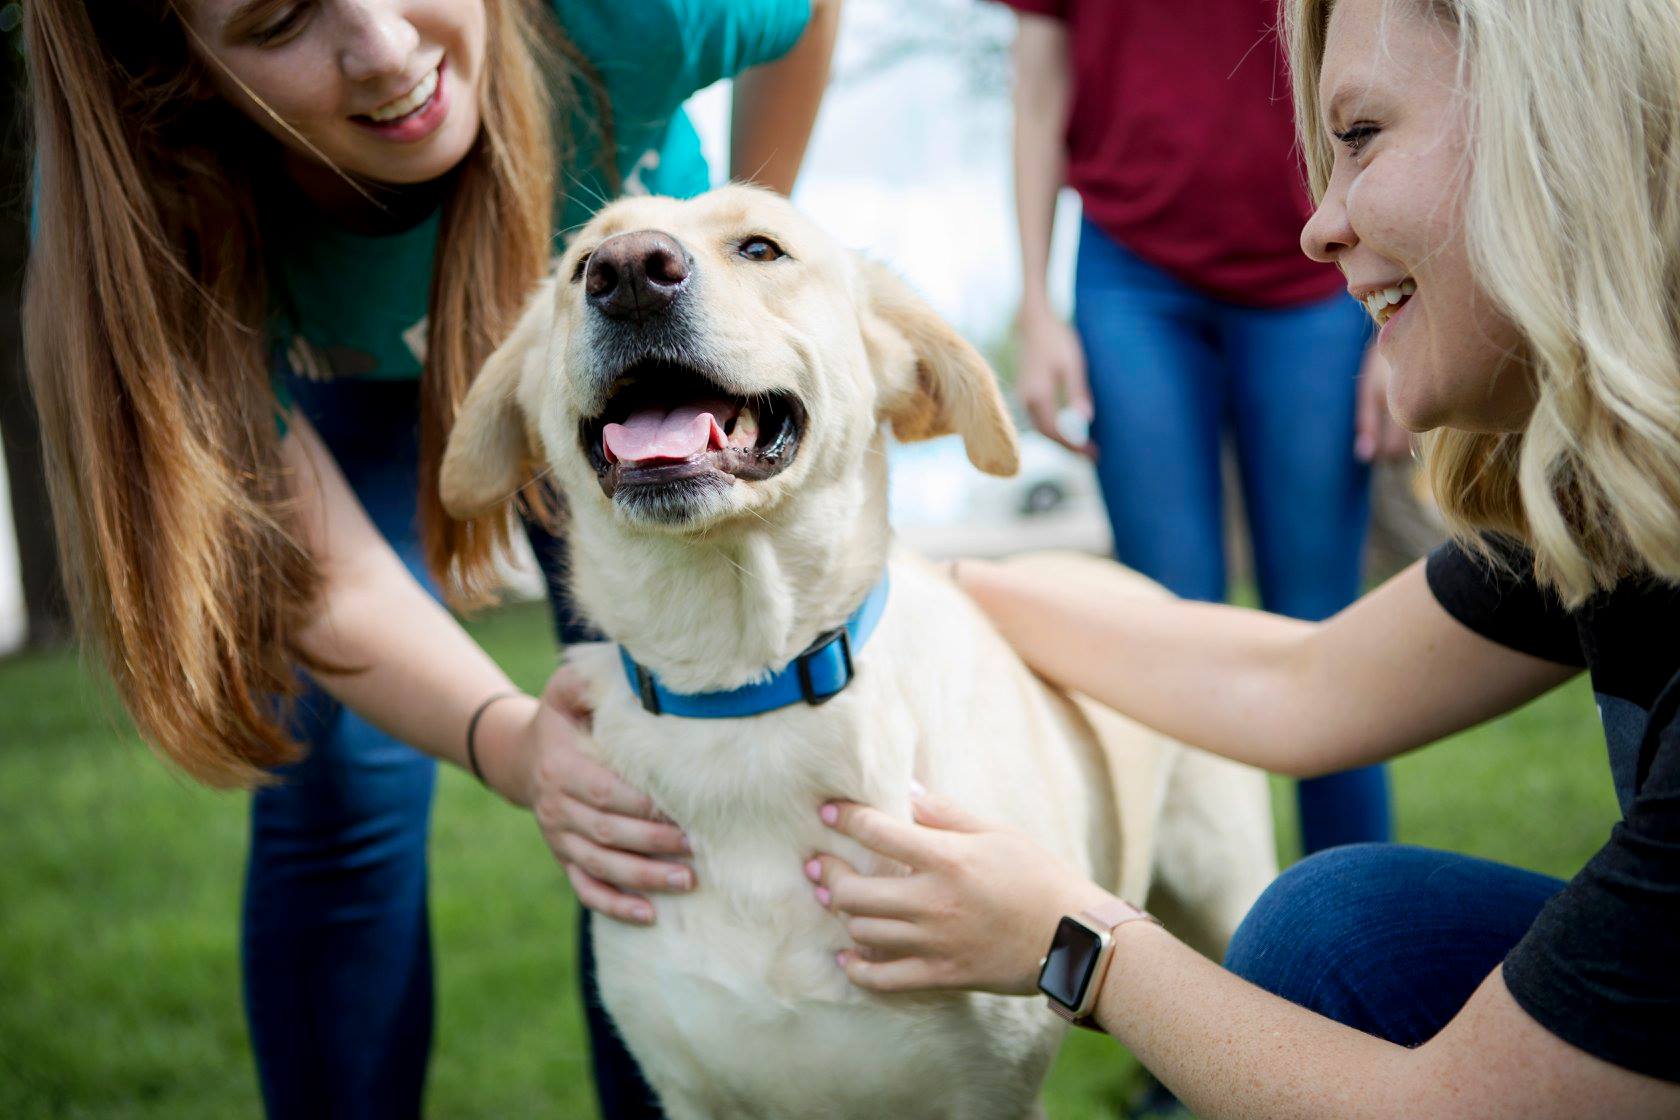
(1572, 218)
(145, 307)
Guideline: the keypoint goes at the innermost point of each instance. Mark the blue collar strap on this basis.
(816, 676)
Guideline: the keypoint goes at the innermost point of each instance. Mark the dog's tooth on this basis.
(745, 431)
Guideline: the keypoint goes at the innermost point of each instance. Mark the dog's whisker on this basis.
(760, 516)
(577, 181)
(732, 562)
(752, 177)
(540, 476)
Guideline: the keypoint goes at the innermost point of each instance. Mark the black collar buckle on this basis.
(802, 665)
(645, 687)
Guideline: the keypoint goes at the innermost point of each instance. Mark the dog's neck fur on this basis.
(715, 612)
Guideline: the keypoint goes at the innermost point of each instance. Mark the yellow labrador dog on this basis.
(708, 381)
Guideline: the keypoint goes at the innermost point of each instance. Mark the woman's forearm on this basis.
(775, 105)
(1043, 90)
(979, 906)
(1221, 678)
(1291, 697)
(385, 648)
(1230, 1050)
(413, 672)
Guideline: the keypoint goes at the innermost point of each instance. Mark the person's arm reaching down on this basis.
(1052, 360)
(415, 674)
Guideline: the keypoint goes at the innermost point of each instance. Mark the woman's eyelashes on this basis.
(279, 28)
(1355, 137)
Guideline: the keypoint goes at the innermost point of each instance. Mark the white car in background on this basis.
(942, 506)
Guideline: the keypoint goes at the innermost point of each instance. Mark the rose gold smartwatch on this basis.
(1071, 973)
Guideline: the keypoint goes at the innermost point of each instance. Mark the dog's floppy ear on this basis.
(933, 382)
(488, 454)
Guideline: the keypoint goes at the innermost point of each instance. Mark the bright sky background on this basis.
(911, 165)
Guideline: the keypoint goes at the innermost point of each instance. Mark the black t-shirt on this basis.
(1600, 967)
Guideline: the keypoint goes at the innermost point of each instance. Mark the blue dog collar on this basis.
(816, 676)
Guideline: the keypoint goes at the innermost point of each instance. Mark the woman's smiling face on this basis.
(385, 90)
(1392, 218)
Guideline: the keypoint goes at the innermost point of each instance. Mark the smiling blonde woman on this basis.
(1499, 181)
(1579, 454)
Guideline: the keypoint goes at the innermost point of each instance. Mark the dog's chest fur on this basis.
(735, 993)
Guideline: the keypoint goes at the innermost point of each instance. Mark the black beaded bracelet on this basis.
(472, 732)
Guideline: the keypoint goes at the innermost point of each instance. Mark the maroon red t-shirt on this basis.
(1181, 142)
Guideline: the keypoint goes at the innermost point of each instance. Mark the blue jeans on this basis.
(337, 945)
(1389, 939)
(1172, 373)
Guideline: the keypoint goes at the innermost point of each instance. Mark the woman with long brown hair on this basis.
(274, 241)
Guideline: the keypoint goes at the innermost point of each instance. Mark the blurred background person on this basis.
(1197, 320)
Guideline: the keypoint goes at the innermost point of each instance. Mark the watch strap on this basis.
(1105, 917)
(1116, 912)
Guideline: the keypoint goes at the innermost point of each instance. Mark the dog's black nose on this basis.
(636, 275)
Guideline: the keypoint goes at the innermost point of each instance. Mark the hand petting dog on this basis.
(601, 829)
(976, 911)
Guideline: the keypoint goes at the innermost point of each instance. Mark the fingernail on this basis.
(678, 880)
(917, 789)
(823, 896)
(686, 846)
(829, 813)
(643, 914)
(841, 957)
(813, 870)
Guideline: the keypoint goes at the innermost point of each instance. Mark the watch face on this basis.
(1069, 964)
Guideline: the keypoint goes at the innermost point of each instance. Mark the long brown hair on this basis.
(145, 309)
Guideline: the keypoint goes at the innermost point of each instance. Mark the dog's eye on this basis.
(583, 263)
(760, 249)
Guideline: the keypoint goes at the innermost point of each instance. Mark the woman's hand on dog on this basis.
(976, 911)
(601, 829)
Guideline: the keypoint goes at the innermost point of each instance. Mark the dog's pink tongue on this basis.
(654, 433)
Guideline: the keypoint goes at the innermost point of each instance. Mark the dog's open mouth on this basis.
(666, 424)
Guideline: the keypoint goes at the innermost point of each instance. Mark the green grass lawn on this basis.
(119, 898)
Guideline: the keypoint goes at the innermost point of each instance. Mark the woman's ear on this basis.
(932, 381)
(489, 452)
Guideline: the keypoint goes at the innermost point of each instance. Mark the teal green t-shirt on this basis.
(350, 305)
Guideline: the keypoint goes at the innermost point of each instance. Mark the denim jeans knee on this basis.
(1386, 938)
